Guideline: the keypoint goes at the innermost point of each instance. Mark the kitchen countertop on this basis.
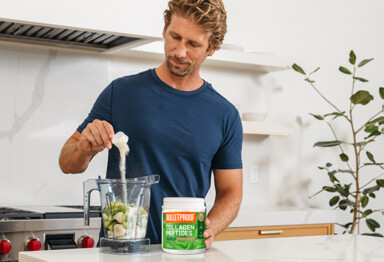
(256, 216)
(314, 248)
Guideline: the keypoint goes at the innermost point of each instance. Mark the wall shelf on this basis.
(224, 58)
(266, 128)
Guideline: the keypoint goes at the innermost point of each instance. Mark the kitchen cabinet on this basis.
(238, 233)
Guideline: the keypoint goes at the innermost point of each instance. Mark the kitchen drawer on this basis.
(236, 233)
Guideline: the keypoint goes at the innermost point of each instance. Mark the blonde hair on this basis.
(210, 14)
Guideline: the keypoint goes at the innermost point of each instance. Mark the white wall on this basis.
(44, 95)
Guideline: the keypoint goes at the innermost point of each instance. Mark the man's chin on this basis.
(178, 72)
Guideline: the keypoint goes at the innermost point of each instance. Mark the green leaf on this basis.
(345, 70)
(333, 178)
(352, 57)
(360, 79)
(298, 69)
(336, 114)
(330, 189)
(328, 164)
(319, 117)
(380, 182)
(364, 62)
(381, 92)
(321, 168)
(372, 224)
(370, 157)
(372, 195)
(343, 205)
(371, 189)
(334, 200)
(361, 97)
(346, 171)
(328, 143)
(344, 157)
(371, 129)
(367, 212)
(344, 192)
(374, 121)
(364, 201)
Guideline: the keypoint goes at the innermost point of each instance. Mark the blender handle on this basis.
(89, 186)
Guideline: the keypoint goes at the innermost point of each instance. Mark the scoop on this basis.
(120, 140)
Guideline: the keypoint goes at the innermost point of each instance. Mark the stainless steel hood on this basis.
(61, 37)
(96, 25)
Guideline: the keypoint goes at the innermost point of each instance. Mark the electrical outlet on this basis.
(254, 175)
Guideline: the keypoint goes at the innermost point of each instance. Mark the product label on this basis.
(183, 230)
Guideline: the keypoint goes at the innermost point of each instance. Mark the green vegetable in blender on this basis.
(124, 221)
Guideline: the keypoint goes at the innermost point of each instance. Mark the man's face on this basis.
(186, 46)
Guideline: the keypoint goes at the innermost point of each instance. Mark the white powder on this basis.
(120, 140)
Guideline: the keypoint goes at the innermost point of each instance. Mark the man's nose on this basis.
(181, 50)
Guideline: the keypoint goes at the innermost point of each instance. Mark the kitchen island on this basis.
(314, 248)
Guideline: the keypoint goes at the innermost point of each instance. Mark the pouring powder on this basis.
(120, 140)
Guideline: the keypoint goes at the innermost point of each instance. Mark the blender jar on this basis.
(125, 208)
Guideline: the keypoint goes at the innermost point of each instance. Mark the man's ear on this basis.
(212, 51)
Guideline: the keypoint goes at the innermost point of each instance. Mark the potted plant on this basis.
(353, 156)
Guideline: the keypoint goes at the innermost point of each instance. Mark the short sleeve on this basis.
(229, 154)
(101, 108)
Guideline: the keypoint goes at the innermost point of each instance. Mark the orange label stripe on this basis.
(180, 217)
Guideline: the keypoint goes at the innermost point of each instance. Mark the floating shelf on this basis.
(266, 128)
(222, 58)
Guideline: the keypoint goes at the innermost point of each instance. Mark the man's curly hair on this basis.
(210, 14)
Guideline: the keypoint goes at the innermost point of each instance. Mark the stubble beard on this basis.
(178, 71)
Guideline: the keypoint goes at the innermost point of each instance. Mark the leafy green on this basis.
(364, 62)
(328, 143)
(345, 70)
(361, 97)
(352, 57)
(298, 69)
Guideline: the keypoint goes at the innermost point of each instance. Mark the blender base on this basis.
(125, 246)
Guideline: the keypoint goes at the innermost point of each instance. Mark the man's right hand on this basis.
(79, 149)
(96, 136)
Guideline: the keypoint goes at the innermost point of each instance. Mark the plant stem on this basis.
(341, 148)
(357, 161)
(373, 179)
(329, 102)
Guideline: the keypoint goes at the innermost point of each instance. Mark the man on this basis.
(179, 127)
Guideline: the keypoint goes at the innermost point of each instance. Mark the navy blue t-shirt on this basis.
(179, 135)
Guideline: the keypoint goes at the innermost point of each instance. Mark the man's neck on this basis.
(190, 82)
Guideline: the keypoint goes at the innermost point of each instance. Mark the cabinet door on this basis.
(236, 233)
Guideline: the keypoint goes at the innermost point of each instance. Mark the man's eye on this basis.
(175, 37)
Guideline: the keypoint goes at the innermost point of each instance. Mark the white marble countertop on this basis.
(308, 249)
(254, 216)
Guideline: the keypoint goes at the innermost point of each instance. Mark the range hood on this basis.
(94, 25)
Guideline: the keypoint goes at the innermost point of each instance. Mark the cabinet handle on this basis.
(271, 232)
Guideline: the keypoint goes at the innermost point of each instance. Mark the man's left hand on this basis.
(208, 234)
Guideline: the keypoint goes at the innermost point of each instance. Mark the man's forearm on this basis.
(224, 211)
(72, 160)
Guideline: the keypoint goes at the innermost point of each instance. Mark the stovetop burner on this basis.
(46, 212)
(13, 213)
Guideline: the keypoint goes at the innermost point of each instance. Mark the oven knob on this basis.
(32, 244)
(86, 242)
(5, 246)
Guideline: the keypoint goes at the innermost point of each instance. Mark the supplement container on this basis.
(183, 225)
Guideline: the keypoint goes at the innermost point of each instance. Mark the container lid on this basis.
(183, 203)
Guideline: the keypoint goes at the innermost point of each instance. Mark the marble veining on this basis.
(37, 98)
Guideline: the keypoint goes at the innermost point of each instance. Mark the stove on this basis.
(32, 228)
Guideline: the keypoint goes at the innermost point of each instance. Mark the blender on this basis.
(125, 209)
